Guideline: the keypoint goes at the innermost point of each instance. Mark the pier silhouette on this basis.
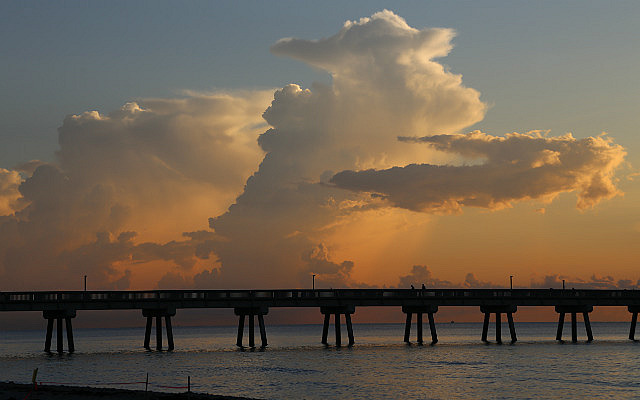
(160, 305)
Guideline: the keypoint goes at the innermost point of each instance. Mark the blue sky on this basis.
(564, 66)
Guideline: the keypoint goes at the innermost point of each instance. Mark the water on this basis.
(379, 366)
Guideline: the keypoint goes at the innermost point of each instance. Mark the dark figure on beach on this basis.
(423, 287)
(412, 288)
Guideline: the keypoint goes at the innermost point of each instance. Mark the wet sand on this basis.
(18, 391)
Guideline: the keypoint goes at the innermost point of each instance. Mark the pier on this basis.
(160, 305)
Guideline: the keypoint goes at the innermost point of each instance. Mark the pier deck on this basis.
(177, 299)
(163, 304)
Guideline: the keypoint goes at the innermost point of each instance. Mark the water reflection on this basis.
(380, 365)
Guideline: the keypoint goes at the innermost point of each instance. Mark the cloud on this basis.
(123, 188)
(512, 168)
(207, 138)
(183, 253)
(162, 151)
(126, 184)
(470, 281)
(29, 167)
(572, 282)
(172, 281)
(328, 273)
(421, 275)
(384, 81)
(9, 193)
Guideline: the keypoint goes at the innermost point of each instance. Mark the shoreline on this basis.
(19, 391)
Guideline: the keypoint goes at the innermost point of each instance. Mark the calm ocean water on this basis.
(379, 366)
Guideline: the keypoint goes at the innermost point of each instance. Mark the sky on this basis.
(253, 144)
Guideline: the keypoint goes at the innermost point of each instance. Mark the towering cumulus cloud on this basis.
(385, 81)
(123, 181)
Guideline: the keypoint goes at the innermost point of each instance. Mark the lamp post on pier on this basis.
(511, 281)
(85, 283)
(313, 281)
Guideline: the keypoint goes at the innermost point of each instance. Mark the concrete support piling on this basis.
(167, 323)
(47, 341)
(587, 326)
(432, 328)
(407, 328)
(159, 333)
(560, 326)
(347, 318)
(419, 327)
(336, 324)
(158, 314)
(634, 310)
(240, 330)
(574, 310)
(251, 313)
(70, 345)
(498, 311)
(57, 316)
(512, 328)
(147, 333)
(498, 328)
(336, 311)
(419, 311)
(325, 328)
(59, 338)
(252, 340)
(485, 327)
(263, 331)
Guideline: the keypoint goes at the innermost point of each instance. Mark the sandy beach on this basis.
(18, 391)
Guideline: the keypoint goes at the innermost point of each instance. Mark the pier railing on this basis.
(98, 300)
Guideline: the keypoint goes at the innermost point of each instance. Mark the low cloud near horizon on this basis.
(422, 275)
